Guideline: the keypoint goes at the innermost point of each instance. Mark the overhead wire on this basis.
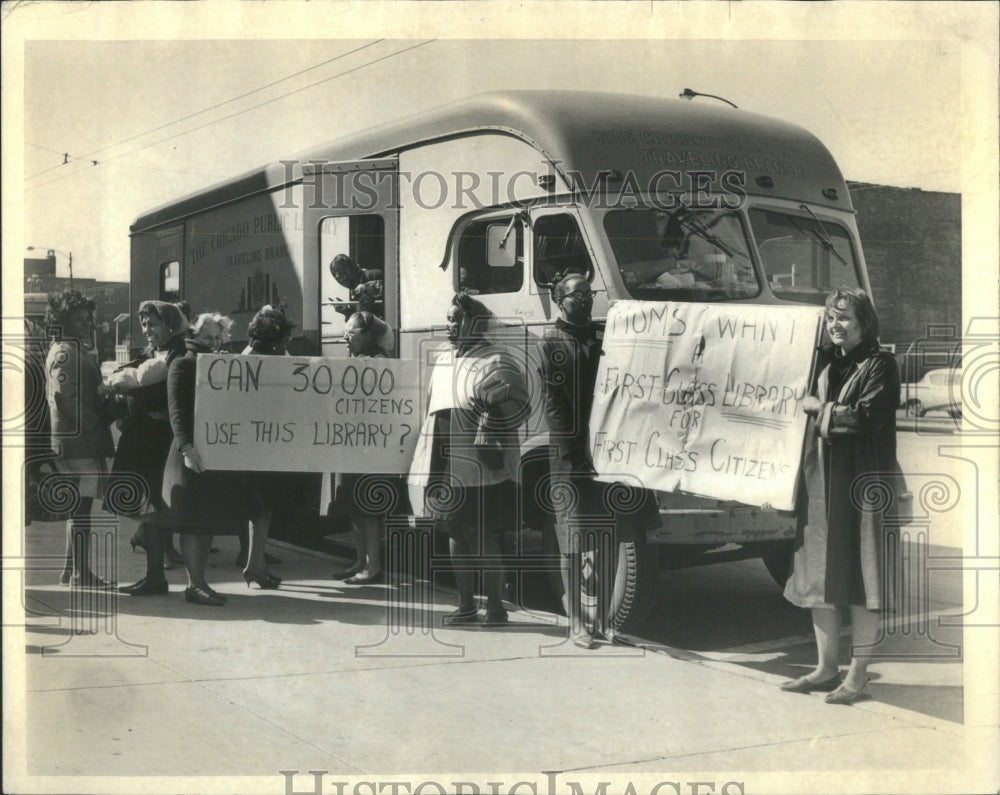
(65, 155)
(241, 112)
(235, 99)
(196, 113)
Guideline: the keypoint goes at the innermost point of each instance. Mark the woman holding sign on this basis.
(365, 335)
(201, 503)
(839, 549)
(568, 356)
(468, 455)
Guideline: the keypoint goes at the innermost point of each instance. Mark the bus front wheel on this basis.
(619, 594)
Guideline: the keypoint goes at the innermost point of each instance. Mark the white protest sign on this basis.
(705, 398)
(306, 414)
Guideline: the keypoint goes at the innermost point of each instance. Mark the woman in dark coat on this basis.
(365, 335)
(839, 555)
(79, 424)
(145, 440)
(201, 503)
(569, 354)
(468, 455)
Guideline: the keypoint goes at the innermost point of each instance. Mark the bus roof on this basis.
(586, 133)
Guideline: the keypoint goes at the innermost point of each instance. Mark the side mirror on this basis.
(500, 249)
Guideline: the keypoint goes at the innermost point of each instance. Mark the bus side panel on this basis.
(243, 255)
(439, 183)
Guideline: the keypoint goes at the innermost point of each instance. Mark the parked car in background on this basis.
(938, 390)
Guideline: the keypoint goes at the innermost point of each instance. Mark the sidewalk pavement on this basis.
(313, 677)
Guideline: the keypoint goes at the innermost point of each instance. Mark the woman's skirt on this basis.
(212, 502)
(464, 512)
(88, 476)
(369, 494)
(136, 480)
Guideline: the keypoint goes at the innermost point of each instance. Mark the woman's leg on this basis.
(139, 536)
(191, 549)
(359, 562)
(154, 581)
(461, 554)
(169, 550)
(155, 537)
(256, 568)
(257, 541)
(78, 538)
(864, 634)
(195, 549)
(204, 547)
(243, 556)
(67, 571)
(493, 576)
(369, 529)
(826, 627)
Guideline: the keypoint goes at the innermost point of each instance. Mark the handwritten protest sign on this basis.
(705, 398)
(306, 414)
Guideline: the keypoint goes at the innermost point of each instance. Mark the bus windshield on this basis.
(803, 258)
(683, 254)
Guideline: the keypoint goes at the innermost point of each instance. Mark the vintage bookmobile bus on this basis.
(660, 200)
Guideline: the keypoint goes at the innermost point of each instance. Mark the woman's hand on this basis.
(191, 459)
(811, 404)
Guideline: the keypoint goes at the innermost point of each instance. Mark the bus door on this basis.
(350, 208)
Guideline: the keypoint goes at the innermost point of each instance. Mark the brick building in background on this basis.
(912, 241)
(110, 299)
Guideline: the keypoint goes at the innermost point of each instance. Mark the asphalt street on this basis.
(364, 684)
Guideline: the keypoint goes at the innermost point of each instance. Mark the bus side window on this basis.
(559, 247)
(480, 275)
(170, 281)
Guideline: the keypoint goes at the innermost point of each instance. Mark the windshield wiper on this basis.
(696, 225)
(823, 236)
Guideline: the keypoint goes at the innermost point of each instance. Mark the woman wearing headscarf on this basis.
(365, 335)
(79, 427)
(145, 440)
(569, 353)
(839, 560)
(201, 503)
(468, 455)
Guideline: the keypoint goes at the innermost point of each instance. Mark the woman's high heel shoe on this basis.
(136, 543)
(271, 575)
(145, 587)
(262, 579)
(199, 597)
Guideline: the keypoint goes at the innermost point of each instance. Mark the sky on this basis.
(163, 118)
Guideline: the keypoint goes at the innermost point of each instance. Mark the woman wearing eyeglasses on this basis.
(569, 354)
